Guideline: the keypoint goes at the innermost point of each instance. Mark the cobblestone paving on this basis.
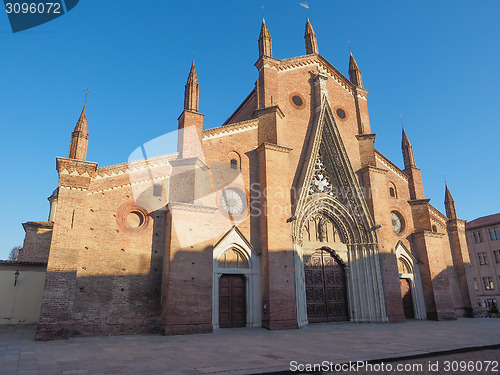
(237, 351)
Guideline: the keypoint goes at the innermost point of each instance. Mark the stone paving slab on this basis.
(236, 351)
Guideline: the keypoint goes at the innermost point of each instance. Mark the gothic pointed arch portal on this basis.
(330, 193)
(325, 280)
(411, 284)
(236, 266)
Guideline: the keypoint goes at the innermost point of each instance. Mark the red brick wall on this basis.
(36, 242)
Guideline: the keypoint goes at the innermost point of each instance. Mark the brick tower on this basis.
(79, 138)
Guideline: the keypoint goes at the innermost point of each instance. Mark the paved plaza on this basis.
(238, 350)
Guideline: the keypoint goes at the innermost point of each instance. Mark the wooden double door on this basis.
(232, 301)
(326, 296)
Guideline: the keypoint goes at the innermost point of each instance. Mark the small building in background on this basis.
(483, 241)
(21, 289)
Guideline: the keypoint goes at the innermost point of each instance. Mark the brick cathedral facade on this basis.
(285, 215)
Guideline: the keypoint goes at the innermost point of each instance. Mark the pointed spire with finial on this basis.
(355, 72)
(409, 159)
(79, 138)
(192, 91)
(265, 41)
(449, 204)
(310, 38)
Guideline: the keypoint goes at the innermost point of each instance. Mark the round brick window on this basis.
(297, 101)
(398, 223)
(341, 113)
(135, 219)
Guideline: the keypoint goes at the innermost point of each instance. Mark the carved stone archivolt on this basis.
(331, 197)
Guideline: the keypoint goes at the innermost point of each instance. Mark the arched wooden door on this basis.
(325, 288)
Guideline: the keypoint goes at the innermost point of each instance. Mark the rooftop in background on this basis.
(483, 221)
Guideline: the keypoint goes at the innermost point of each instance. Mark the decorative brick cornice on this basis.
(273, 147)
(437, 214)
(391, 166)
(267, 110)
(135, 166)
(419, 202)
(298, 62)
(456, 224)
(361, 93)
(365, 136)
(235, 128)
(195, 161)
(331, 71)
(75, 167)
(79, 188)
(373, 169)
(115, 186)
(267, 62)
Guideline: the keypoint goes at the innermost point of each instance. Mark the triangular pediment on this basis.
(233, 238)
(327, 172)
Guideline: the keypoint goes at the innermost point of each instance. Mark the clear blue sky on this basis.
(435, 62)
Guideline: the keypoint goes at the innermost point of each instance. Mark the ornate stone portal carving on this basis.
(331, 194)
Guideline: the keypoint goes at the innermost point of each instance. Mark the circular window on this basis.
(341, 113)
(398, 223)
(297, 101)
(233, 201)
(135, 219)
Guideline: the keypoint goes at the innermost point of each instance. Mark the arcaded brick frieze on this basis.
(230, 129)
(391, 166)
(134, 166)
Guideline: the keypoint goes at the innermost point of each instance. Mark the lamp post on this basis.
(16, 275)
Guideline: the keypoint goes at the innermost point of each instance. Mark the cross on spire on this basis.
(306, 6)
(86, 91)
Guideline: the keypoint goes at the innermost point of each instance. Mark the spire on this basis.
(265, 41)
(449, 204)
(192, 91)
(355, 72)
(408, 157)
(79, 138)
(310, 37)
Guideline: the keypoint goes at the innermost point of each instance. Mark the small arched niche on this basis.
(234, 160)
(393, 192)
